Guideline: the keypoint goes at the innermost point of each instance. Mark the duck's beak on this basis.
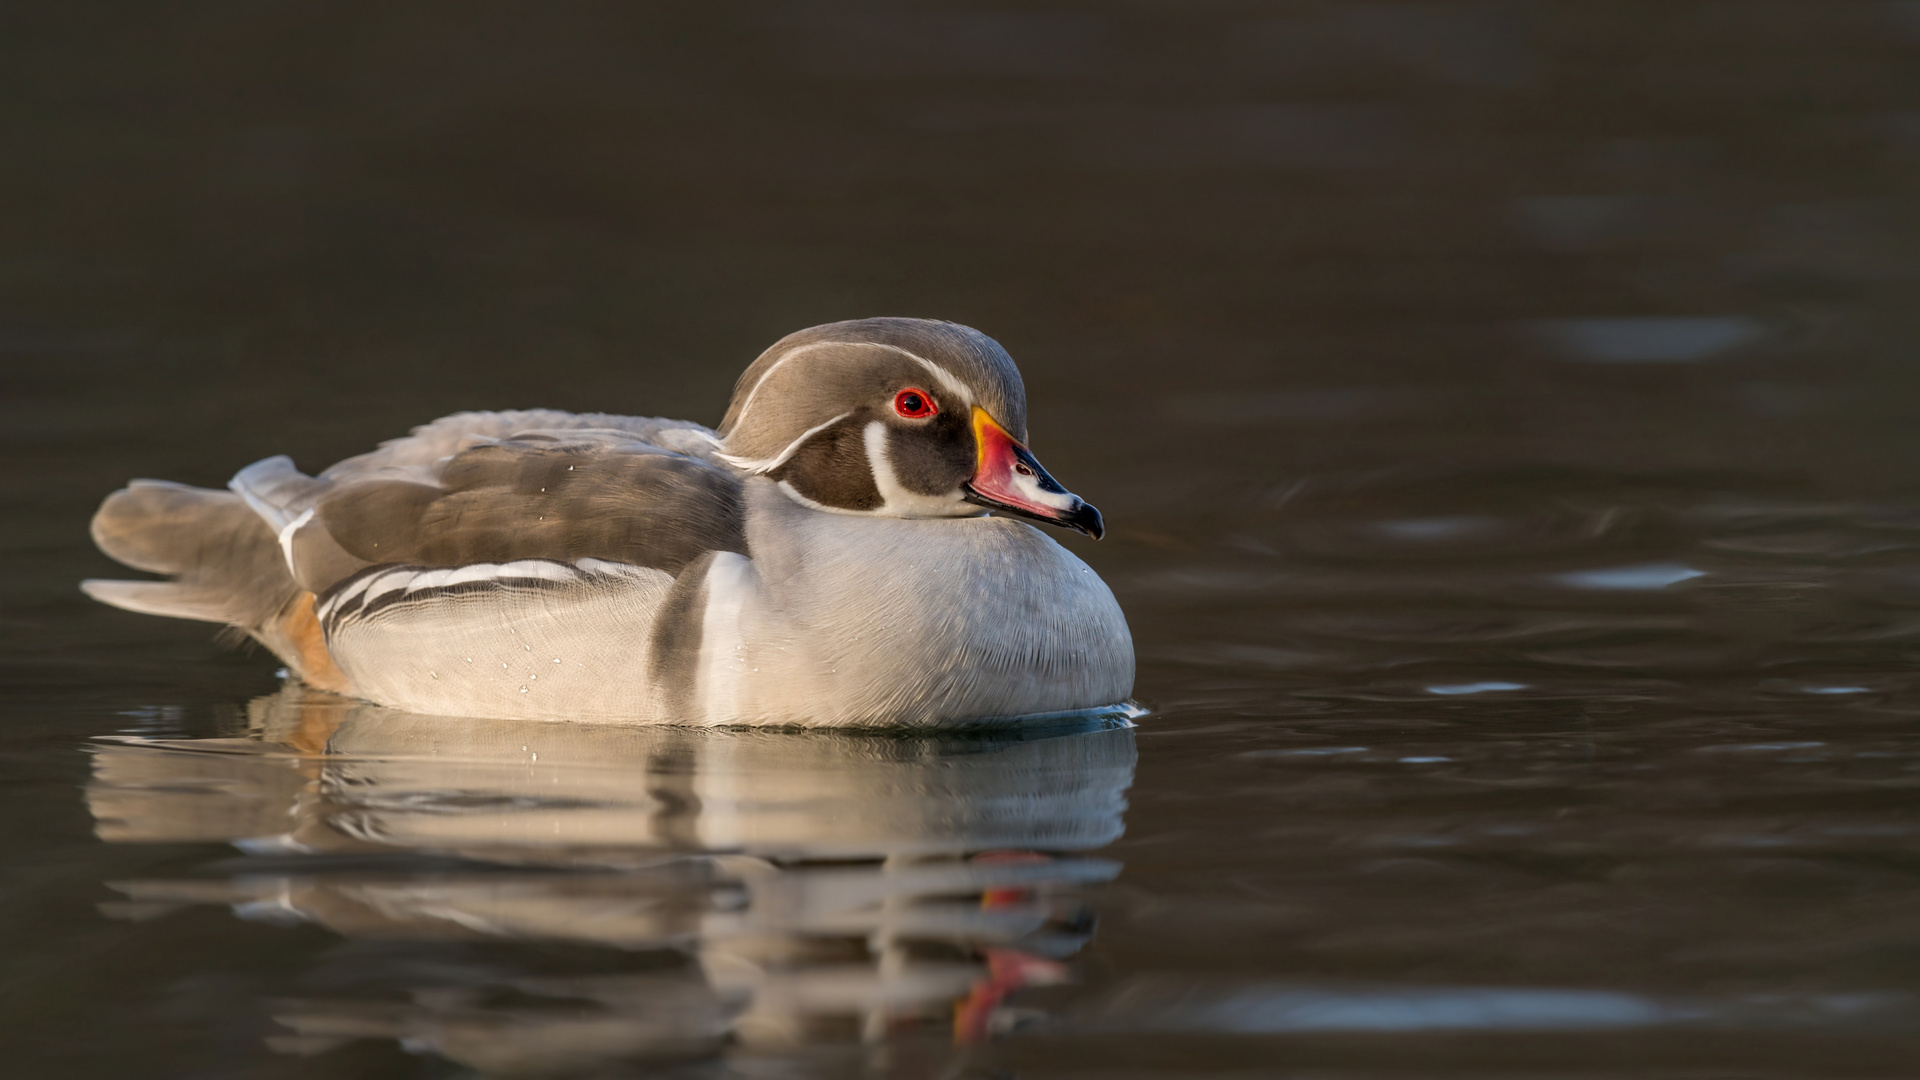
(1006, 477)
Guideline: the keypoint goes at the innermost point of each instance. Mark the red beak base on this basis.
(1006, 477)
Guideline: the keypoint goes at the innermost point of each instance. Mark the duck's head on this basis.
(903, 418)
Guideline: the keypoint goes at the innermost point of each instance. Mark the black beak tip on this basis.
(1082, 518)
(1087, 520)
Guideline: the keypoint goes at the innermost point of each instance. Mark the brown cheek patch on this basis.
(933, 458)
(832, 469)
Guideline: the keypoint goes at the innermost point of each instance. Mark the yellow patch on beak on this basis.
(982, 424)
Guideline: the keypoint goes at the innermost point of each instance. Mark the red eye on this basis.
(914, 404)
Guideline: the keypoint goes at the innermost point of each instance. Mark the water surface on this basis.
(1506, 417)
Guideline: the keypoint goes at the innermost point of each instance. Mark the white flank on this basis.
(723, 652)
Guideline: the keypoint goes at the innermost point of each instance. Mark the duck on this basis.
(854, 546)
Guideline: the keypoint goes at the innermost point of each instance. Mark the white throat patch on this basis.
(896, 500)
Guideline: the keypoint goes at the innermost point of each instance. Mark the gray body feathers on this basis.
(820, 561)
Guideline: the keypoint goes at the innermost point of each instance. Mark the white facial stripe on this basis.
(775, 366)
(793, 493)
(957, 392)
(769, 464)
(897, 500)
(955, 389)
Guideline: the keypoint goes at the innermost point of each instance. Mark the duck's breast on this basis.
(883, 621)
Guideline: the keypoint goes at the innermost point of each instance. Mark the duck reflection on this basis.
(756, 888)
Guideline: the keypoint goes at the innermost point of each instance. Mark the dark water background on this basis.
(1505, 414)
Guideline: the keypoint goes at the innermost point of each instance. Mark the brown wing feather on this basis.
(536, 496)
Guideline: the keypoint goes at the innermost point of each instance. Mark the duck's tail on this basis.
(224, 565)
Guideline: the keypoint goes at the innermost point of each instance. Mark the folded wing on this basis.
(476, 490)
(554, 492)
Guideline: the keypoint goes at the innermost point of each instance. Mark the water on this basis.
(1505, 416)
